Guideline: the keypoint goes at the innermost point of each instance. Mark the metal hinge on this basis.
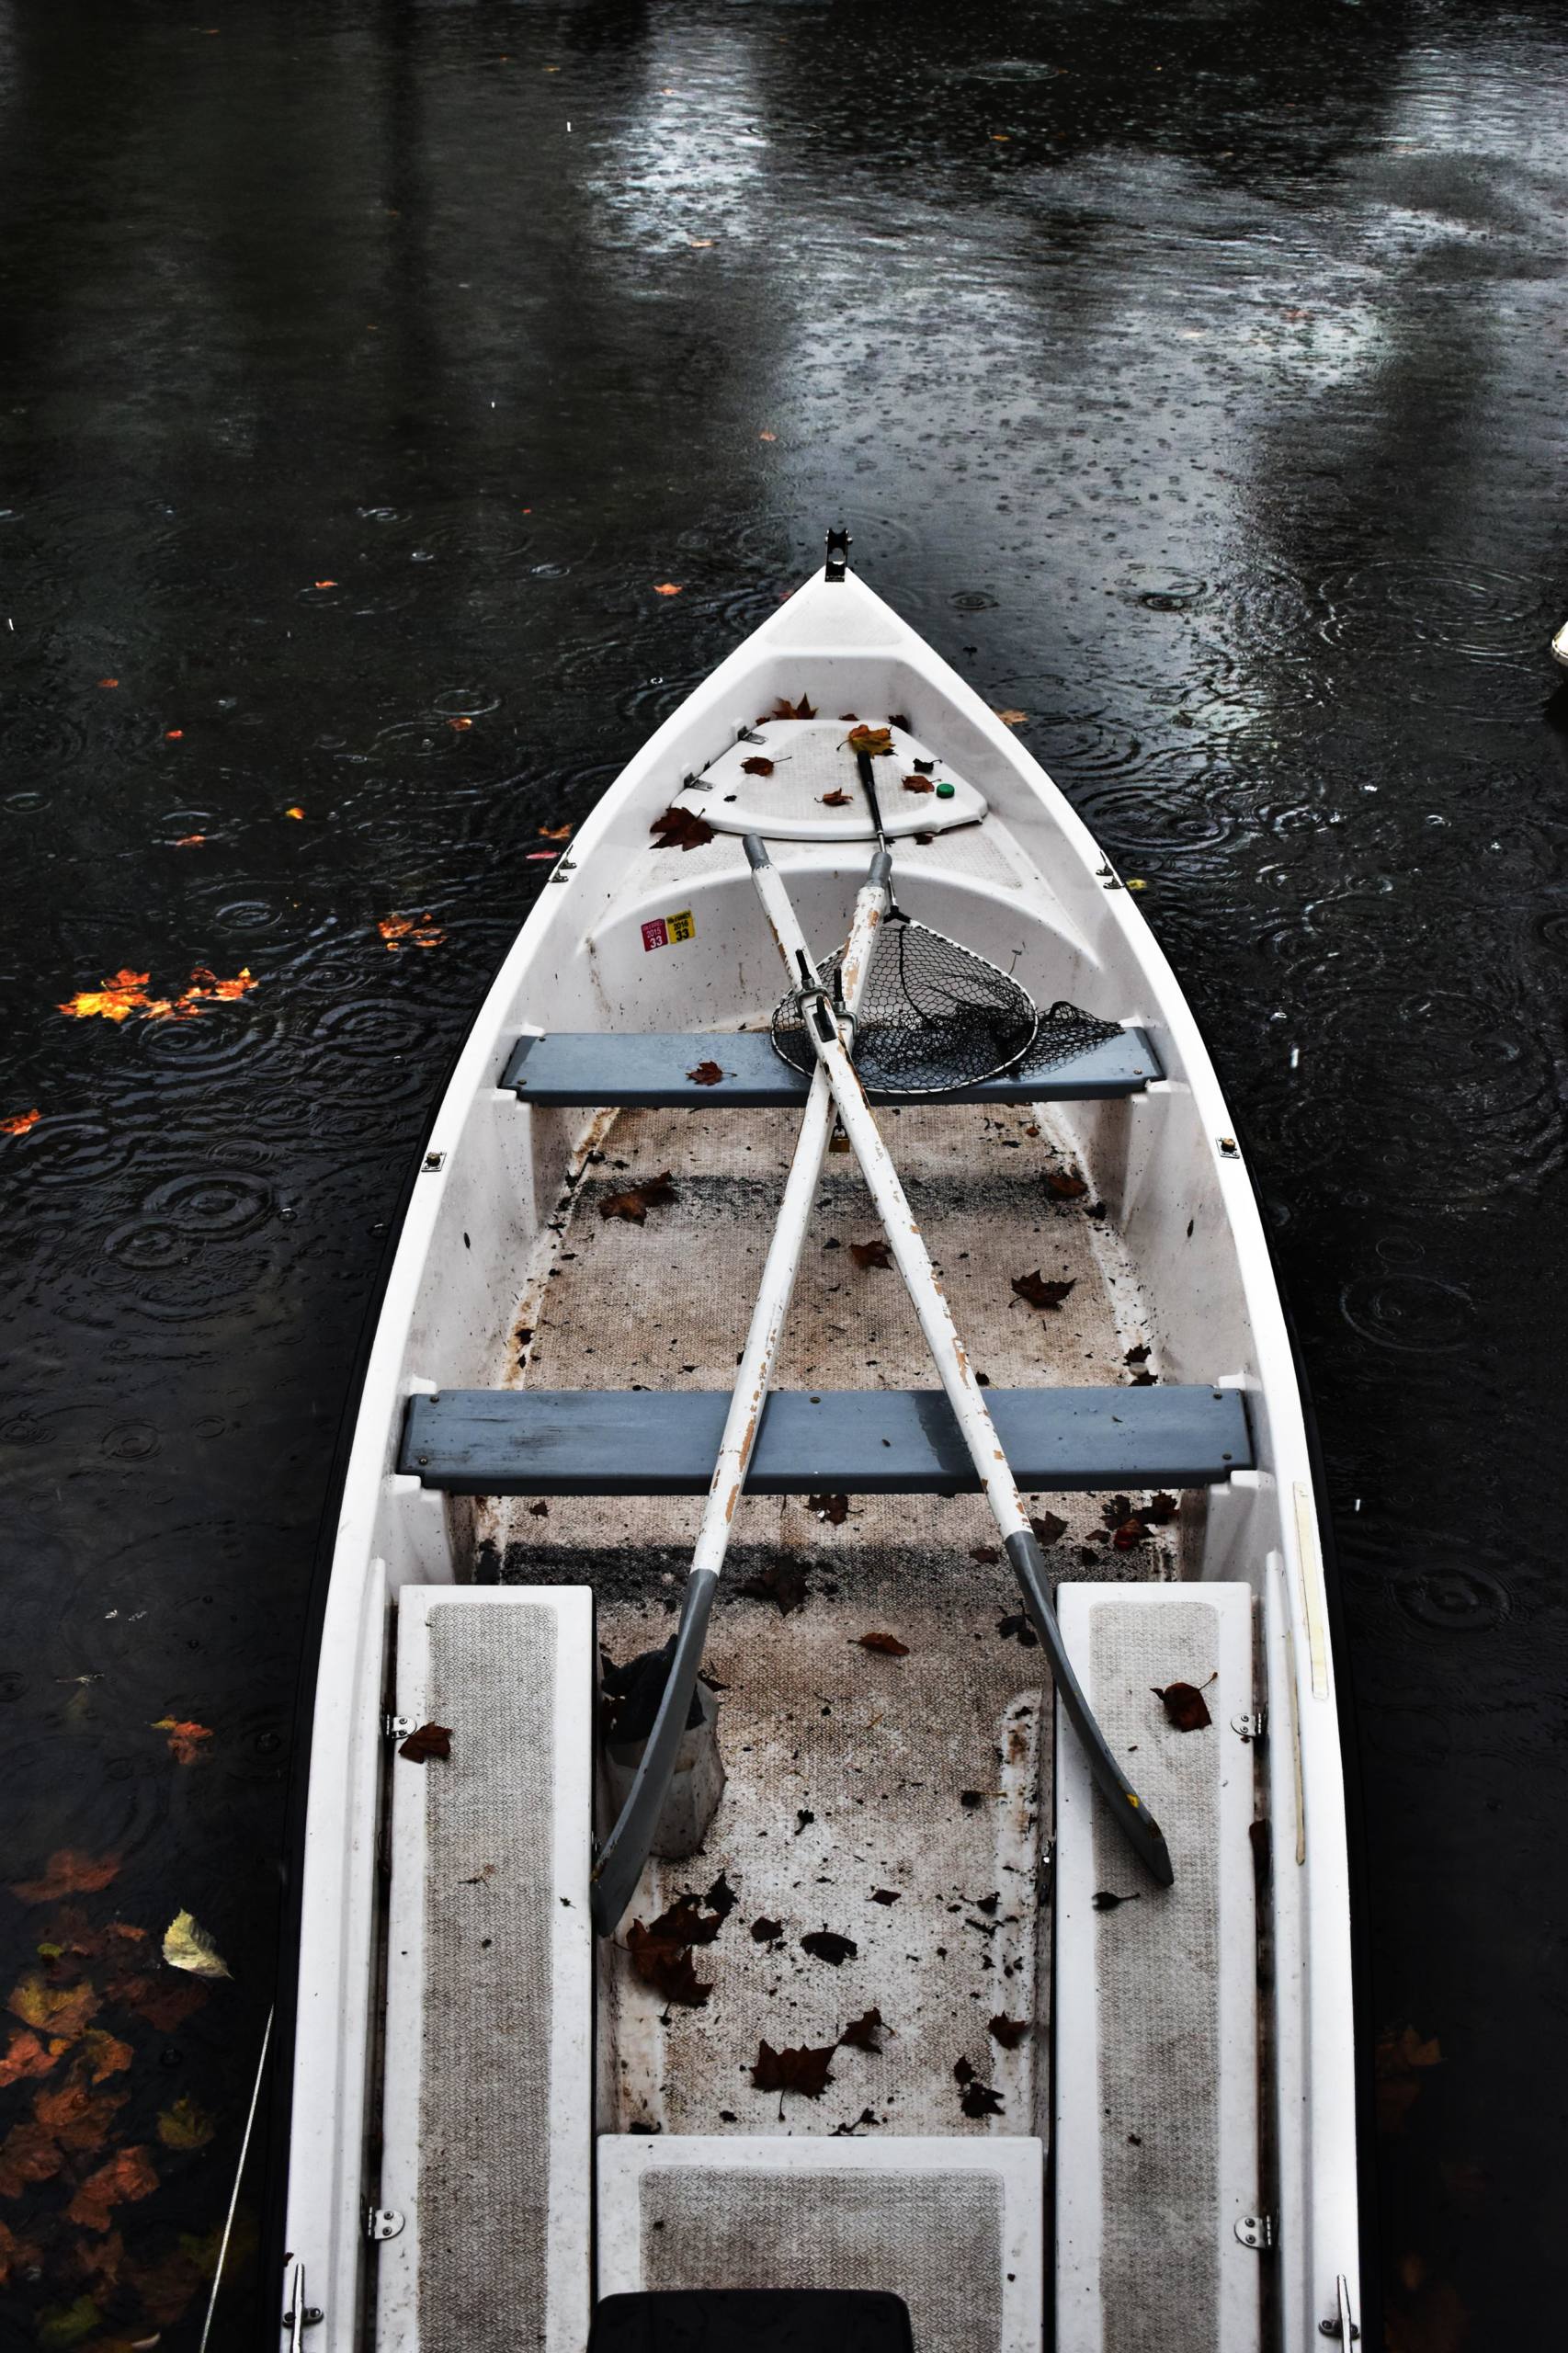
(1253, 1727)
(382, 2222)
(1341, 2325)
(397, 1727)
(1255, 2230)
(560, 869)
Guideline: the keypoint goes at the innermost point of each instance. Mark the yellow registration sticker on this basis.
(668, 931)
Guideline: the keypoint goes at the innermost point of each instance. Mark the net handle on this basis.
(863, 762)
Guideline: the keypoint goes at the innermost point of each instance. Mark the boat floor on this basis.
(855, 1774)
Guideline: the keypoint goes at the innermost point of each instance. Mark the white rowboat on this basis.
(893, 2016)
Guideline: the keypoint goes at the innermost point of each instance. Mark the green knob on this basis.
(944, 793)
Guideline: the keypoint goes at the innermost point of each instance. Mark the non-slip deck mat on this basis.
(490, 1984)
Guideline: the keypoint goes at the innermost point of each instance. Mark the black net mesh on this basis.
(936, 1018)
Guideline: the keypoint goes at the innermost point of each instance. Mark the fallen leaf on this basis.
(918, 784)
(1009, 2032)
(756, 766)
(1140, 1355)
(185, 2125)
(123, 993)
(766, 1932)
(164, 2003)
(189, 841)
(886, 1895)
(460, 726)
(1130, 1532)
(889, 1645)
(61, 2325)
(784, 1585)
(184, 1739)
(188, 1945)
(823, 1943)
(103, 2054)
(59, 2011)
(766, 435)
(986, 1554)
(78, 2118)
(295, 811)
(174, 734)
(25, 2056)
(861, 2033)
(667, 1966)
(962, 2072)
(897, 718)
(785, 708)
(1185, 1705)
(29, 2153)
(681, 829)
(1017, 1628)
(539, 1510)
(870, 1254)
(835, 800)
(633, 1204)
(705, 1075)
(409, 931)
(16, 2254)
(128, 2176)
(323, 584)
(722, 1897)
(19, 1122)
(1143, 1380)
(1013, 718)
(876, 741)
(924, 839)
(802, 2070)
(555, 832)
(979, 2099)
(426, 1741)
(685, 1923)
(1037, 1293)
(666, 588)
(803, 1815)
(108, 682)
(1065, 1184)
(834, 1509)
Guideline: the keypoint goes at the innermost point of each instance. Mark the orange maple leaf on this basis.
(124, 994)
(410, 931)
(68, 1874)
(127, 2176)
(103, 2054)
(184, 1739)
(26, 2056)
(20, 1121)
(78, 2118)
(295, 811)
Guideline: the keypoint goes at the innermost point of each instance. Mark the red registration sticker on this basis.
(668, 931)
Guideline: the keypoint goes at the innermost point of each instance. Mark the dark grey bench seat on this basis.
(856, 1442)
(653, 1070)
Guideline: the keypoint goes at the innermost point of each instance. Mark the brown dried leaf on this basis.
(767, 1932)
(78, 2118)
(834, 1509)
(127, 2177)
(986, 1554)
(1047, 1527)
(1132, 1531)
(888, 1644)
(667, 1966)
(897, 718)
(705, 1075)
(650, 1193)
(25, 2056)
(802, 2070)
(1010, 2032)
(1140, 1355)
(1185, 1705)
(29, 2153)
(1036, 1292)
(1065, 1184)
(886, 1895)
(1013, 718)
(823, 1943)
(962, 2072)
(1017, 1628)
(919, 784)
(1160, 1509)
(756, 766)
(184, 1739)
(785, 708)
(62, 2012)
(862, 2033)
(784, 1585)
(681, 829)
(430, 1740)
(835, 800)
(979, 2099)
(870, 1254)
(68, 1874)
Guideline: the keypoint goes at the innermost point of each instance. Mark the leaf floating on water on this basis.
(1009, 2032)
(705, 1075)
(67, 1873)
(555, 832)
(1185, 1705)
(1065, 1184)
(765, 1931)
(785, 708)
(802, 2070)
(19, 1122)
(667, 587)
(460, 726)
(1047, 1527)
(29, 2153)
(835, 800)
(429, 1740)
(1017, 1628)
(185, 2125)
(889, 1645)
(876, 741)
(59, 2011)
(785, 1587)
(834, 1509)
(123, 993)
(188, 1945)
(918, 784)
(78, 2118)
(863, 2033)
(667, 1966)
(979, 2099)
(184, 1739)
(295, 811)
(410, 931)
(870, 1254)
(634, 1203)
(681, 829)
(1014, 717)
(823, 1943)
(103, 2055)
(25, 2056)
(128, 2176)
(756, 766)
(1037, 1293)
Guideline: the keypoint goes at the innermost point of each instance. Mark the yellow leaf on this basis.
(185, 2125)
(62, 2010)
(184, 1739)
(187, 1945)
(295, 811)
(1013, 718)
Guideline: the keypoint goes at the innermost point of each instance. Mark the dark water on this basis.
(1195, 378)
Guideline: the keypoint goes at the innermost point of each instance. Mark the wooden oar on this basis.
(822, 1024)
(620, 1859)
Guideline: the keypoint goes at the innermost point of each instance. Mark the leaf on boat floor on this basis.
(767, 1932)
(803, 2069)
(962, 2072)
(979, 2099)
(1105, 1900)
(665, 1965)
(871, 1253)
(886, 1895)
(1065, 1184)
(705, 1075)
(429, 1740)
(188, 1945)
(836, 799)
(681, 829)
(834, 1509)
(785, 708)
(1184, 1704)
(783, 1586)
(888, 1644)
(877, 741)
(824, 1944)
(1140, 1355)
(919, 784)
(1010, 2032)
(756, 766)
(1015, 1628)
(1047, 1527)
(1036, 1292)
(862, 2033)
(634, 1203)
(986, 1554)
(1160, 1509)
(897, 718)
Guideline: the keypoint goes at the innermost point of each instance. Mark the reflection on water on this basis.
(1194, 384)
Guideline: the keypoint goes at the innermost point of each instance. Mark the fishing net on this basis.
(936, 1018)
